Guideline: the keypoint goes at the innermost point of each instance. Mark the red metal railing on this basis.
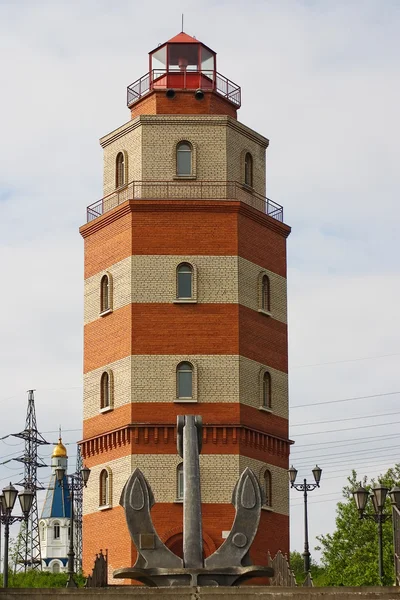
(184, 80)
(185, 190)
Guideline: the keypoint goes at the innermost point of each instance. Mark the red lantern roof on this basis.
(183, 38)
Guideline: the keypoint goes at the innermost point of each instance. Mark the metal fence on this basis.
(160, 79)
(188, 190)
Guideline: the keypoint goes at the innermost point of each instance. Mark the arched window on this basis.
(248, 169)
(56, 530)
(267, 487)
(105, 391)
(120, 170)
(105, 294)
(104, 497)
(184, 158)
(55, 568)
(42, 532)
(184, 281)
(265, 293)
(179, 482)
(184, 380)
(266, 390)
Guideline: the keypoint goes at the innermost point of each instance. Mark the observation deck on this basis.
(177, 190)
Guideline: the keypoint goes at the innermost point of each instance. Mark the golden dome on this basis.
(59, 451)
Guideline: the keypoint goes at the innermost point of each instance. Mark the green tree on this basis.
(297, 566)
(350, 554)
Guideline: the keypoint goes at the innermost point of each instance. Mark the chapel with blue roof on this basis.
(54, 524)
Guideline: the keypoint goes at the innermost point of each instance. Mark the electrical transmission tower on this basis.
(28, 555)
(78, 514)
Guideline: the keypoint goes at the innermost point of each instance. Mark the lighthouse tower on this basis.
(185, 310)
(54, 524)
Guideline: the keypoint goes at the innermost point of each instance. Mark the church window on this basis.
(55, 567)
(179, 482)
(266, 484)
(184, 380)
(266, 390)
(105, 390)
(265, 293)
(105, 294)
(56, 529)
(248, 169)
(184, 281)
(42, 532)
(120, 170)
(104, 499)
(184, 159)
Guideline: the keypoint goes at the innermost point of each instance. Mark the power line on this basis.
(336, 362)
(344, 400)
(349, 452)
(347, 441)
(358, 417)
(349, 428)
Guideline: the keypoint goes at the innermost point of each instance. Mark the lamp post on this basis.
(8, 498)
(378, 498)
(75, 482)
(305, 488)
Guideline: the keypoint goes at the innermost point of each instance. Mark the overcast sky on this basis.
(320, 80)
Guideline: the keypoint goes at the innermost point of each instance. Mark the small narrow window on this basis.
(105, 294)
(179, 482)
(184, 158)
(184, 380)
(248, 169)
(42, 532)
(265, 293)
(267, 485)
(56, 531)
(105, 396)
(104, 499)
(266, 391)
(120, 170)
(184, 283)
(69, 531)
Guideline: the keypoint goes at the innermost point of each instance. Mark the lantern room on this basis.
(183, 64)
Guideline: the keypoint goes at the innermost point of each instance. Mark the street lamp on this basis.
(75, 482)
(305, 488)
(8, 498)
(378, 498)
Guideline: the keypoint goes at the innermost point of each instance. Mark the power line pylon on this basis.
(28, 555)
(78, 514)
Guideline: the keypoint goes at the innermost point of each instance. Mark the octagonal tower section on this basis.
(185, 310)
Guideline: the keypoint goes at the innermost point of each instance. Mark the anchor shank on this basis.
(192, 529)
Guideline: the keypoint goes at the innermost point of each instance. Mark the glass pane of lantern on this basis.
(183, 57)
(159, 59)
(207, 60)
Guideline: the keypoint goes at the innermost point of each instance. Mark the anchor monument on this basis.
(156, 565)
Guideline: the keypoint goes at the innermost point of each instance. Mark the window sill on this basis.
(178, 177)
(105, 312)
(186, 400)
(178, 501)
(185, 301)
(105, 507)
(267, 508)
(106, 409)
(265, 409)
(267, 313)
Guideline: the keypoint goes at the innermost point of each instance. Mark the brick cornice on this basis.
(151, 435)
(203, 120)
(218, 206)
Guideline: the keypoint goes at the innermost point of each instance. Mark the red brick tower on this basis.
(185, 309)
